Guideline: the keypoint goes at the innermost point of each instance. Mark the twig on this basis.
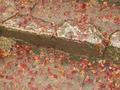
(9, 18)
(34, 5)
(113, 33)
(40, 19)
(104, 51)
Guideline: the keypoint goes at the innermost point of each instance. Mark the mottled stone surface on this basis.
(67, 15)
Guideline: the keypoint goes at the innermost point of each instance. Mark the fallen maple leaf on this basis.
(2, 9)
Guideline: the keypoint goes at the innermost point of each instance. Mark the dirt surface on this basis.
(80, 39)
(32, 68)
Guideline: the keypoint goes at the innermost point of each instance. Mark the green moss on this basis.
(75, 57)
(100, 1)
(36, 51)
(116, 2)
(113, 54)
(65, 63)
